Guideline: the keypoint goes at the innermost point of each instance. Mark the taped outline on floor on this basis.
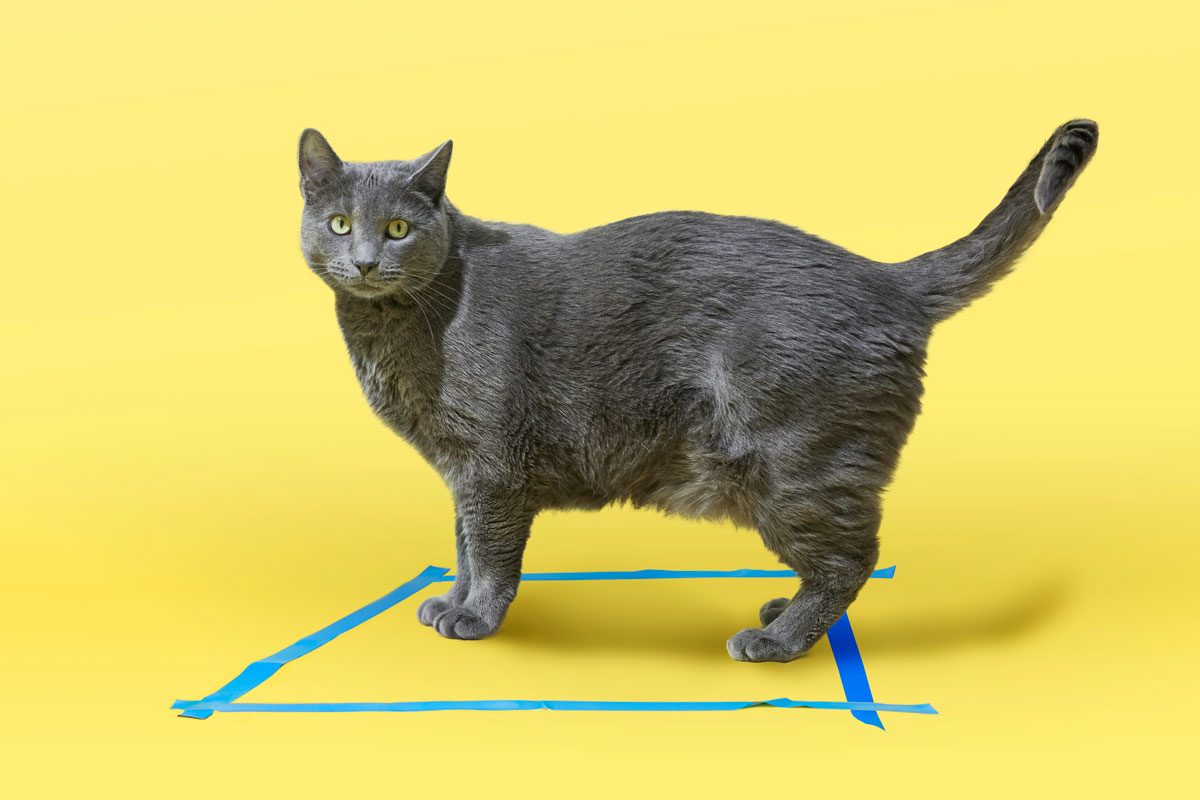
(853, 673)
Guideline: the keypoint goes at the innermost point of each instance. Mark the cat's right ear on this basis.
(319, 165)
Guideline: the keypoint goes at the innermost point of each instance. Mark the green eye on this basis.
(339, 224)
(397, 229)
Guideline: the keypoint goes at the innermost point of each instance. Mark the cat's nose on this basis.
(365, 267)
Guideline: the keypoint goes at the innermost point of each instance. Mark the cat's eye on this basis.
(339, 224)
(397, 229)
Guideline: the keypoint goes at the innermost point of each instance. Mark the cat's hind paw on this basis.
(756, 644)
(772, 609)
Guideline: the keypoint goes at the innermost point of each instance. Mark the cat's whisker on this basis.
(437, 298)
(447, 302)
(420, 308)
(451, 300)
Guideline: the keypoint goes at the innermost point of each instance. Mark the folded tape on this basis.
(852, 672)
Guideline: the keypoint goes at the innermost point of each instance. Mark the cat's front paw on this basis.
(457, 622)
(755, 644)
(433, 608)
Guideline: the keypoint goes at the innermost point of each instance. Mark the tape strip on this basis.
(851, 670)
(555, 705)
(258, 672)
(661, 574)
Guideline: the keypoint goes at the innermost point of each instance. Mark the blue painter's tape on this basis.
(664, 574)
(852, 671)
(555, 705)
(859, 700)
(258, 672)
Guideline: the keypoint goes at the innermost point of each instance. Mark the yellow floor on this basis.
(192, 481)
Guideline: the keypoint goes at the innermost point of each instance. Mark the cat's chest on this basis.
(400, 388)
(390, 383)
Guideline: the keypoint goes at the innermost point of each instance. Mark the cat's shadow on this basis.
(682, 626)
(943, 623)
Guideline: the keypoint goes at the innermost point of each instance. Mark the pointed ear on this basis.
(319, 165)
(430, 177)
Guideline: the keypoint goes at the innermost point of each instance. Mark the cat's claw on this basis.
(755, 644)
(457, 622)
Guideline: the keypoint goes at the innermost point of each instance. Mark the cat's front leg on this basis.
(493, 527)
(434, 607)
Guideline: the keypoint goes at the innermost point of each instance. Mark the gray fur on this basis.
(712, 366)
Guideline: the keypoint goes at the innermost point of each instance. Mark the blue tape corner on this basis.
(257, 673)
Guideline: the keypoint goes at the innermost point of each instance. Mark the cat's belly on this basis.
(691, 480)
(702, 483)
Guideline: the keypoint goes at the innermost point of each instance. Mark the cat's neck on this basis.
(413, 322)
(396, 348)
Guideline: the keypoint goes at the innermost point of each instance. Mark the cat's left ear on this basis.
(430, 177)
(319, 165)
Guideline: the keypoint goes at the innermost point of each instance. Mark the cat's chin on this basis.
(367, 291)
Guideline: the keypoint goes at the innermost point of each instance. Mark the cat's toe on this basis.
(755, 644)
(772, 609)
(431, 609)
(460, 623)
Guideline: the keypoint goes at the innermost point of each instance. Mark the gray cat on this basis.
(710, 366)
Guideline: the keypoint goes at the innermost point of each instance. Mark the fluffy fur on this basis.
(712, 366)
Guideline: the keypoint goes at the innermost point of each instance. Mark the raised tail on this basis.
(952, 276)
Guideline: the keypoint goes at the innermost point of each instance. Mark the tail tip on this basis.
(1071, 148)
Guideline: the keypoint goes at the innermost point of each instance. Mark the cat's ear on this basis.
(430, 177)
(319, 165)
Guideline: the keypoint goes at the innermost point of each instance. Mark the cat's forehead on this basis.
(374, 182)
(371, 177)
(380, 173)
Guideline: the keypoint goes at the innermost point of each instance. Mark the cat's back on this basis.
(680, 290)
(690, 260)
(681, 256)
(689, 277)
(659, 236)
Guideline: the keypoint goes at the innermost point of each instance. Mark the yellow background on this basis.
(191, 479)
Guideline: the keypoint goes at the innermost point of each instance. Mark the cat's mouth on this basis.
(367, 288)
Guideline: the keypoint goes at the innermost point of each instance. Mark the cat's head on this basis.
(373, 229)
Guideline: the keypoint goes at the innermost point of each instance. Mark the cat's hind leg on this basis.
(830, 540)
